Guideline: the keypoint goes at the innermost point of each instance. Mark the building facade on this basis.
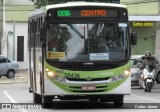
(1, 23)
(15, 30)
(144, 16)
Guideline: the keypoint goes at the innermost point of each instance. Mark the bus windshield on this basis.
(92, 41)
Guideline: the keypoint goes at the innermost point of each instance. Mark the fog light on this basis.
(114, 79)
(61, 79)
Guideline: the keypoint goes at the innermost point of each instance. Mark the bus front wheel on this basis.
(47, 102)
(118, 101)
(37, 98)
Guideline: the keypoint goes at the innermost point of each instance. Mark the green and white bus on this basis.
(80, 50)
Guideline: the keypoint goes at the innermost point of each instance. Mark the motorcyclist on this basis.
(147, 61)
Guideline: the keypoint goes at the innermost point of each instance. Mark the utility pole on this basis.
(13, 40)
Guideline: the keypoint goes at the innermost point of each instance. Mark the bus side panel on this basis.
(38, 69)
(52, 89)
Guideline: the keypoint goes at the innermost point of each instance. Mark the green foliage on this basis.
(40, 3)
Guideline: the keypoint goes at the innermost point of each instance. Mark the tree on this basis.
(41, 3)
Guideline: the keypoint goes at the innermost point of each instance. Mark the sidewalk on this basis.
(20, 77)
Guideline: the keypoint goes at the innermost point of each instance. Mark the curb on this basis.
(10, 82)
(14, 82)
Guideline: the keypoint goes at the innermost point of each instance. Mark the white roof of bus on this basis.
(72, 4)
(83, 3)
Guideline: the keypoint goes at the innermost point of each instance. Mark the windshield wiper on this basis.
(76, 31)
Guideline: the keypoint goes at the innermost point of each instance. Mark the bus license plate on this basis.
(88, 87)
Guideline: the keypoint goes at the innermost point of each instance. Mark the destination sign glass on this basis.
(86, 13)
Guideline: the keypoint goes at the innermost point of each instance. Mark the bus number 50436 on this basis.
(72, 75)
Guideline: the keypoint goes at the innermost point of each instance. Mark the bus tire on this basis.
(47, 102)
(93, 100)
(118, 101)
(37, 98)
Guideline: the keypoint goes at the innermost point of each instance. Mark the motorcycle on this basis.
(148, 76)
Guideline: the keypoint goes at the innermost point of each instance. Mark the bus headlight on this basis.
(126, 73)
(114, 79)
(51, 74)
(117, 78)
(54, 75)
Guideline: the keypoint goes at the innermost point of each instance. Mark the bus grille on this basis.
(85, 68)
(85, 79)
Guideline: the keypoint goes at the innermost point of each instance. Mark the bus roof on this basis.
(73, 4)
(83, 3)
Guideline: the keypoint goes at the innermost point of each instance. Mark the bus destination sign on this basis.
(62, 13)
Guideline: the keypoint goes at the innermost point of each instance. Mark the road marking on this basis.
(146, 98)
(9, 97)
(13, 100)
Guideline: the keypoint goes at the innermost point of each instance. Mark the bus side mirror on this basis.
(133, 38)
(42, 33)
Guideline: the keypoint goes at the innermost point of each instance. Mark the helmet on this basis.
(148, 55)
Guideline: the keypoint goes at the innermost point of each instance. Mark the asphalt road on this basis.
(18, 93)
